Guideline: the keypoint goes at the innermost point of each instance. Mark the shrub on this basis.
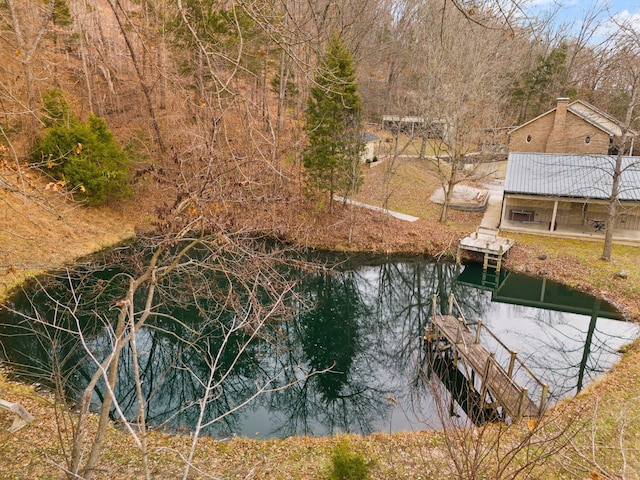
(55, 109)
(83, 155)
(346, 465)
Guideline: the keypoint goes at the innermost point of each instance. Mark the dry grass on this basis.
(405, 186)
(41, 229)
(35, 238)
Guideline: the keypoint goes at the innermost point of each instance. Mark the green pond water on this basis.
(360, 324)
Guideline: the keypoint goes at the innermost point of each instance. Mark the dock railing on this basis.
(514, 360)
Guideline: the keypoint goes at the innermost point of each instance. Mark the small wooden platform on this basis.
(494, 378)
(488, 242)
(21, 416)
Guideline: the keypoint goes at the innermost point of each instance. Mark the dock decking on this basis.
(488, 242)
(494, 378)
(497, 384)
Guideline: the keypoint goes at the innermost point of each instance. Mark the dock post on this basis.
(512, 362)
(485, 379)
(543, 398)
(478, 330)
(434, 302)
(451, 304)
(499, 261)
(523, 395)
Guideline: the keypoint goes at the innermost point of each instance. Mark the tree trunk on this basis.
(448, 189)
(423, 146)
(26, 49)
(445, 208)
(114, 4)
(105, 408)
(281, 102)
(110, 367)
(612, 208)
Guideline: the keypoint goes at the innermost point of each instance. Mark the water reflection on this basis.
(567, 337)
(363, 322)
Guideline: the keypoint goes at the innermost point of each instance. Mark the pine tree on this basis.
(332, 159)
(536, 90)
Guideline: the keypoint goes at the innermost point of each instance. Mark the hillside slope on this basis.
(41, 229)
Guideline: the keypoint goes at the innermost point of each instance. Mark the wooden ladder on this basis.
(490, 278)
(492, 260)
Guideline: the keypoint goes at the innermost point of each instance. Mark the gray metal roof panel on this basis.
(370, 137)
(583, 176)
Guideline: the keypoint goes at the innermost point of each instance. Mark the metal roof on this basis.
(581, 176)
(596, 117)
(370, 137)
(403, 119)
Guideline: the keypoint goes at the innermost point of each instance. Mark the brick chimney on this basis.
(557, 141)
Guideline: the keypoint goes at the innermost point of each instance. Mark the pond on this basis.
(347, 356)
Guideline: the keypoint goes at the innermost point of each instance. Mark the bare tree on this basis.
(625, 67)
(121, 15)
(604, 451)
(237, 296)
(29, 21)
(502, 451)
(461, 95)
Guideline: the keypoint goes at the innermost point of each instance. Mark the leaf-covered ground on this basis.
(47, 232)
(606, 445)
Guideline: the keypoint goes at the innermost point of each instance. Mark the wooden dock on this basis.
(443, 362)
(495, 380)
(508, 394)
(488, 242)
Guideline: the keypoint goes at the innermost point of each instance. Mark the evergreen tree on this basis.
(61, 14)
(332, 159)
(82, 156)
(536, 90)
(211, 42)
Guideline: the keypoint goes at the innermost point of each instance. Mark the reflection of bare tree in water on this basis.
(209, 304)
(332, 331)
(403, 308)
(363, 321)
(568, 349)
(583, 351)
(175, 351)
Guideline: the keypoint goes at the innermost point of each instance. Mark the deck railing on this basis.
(480, 329)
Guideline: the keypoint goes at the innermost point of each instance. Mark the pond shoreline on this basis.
(370, 313)
(571, 264)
